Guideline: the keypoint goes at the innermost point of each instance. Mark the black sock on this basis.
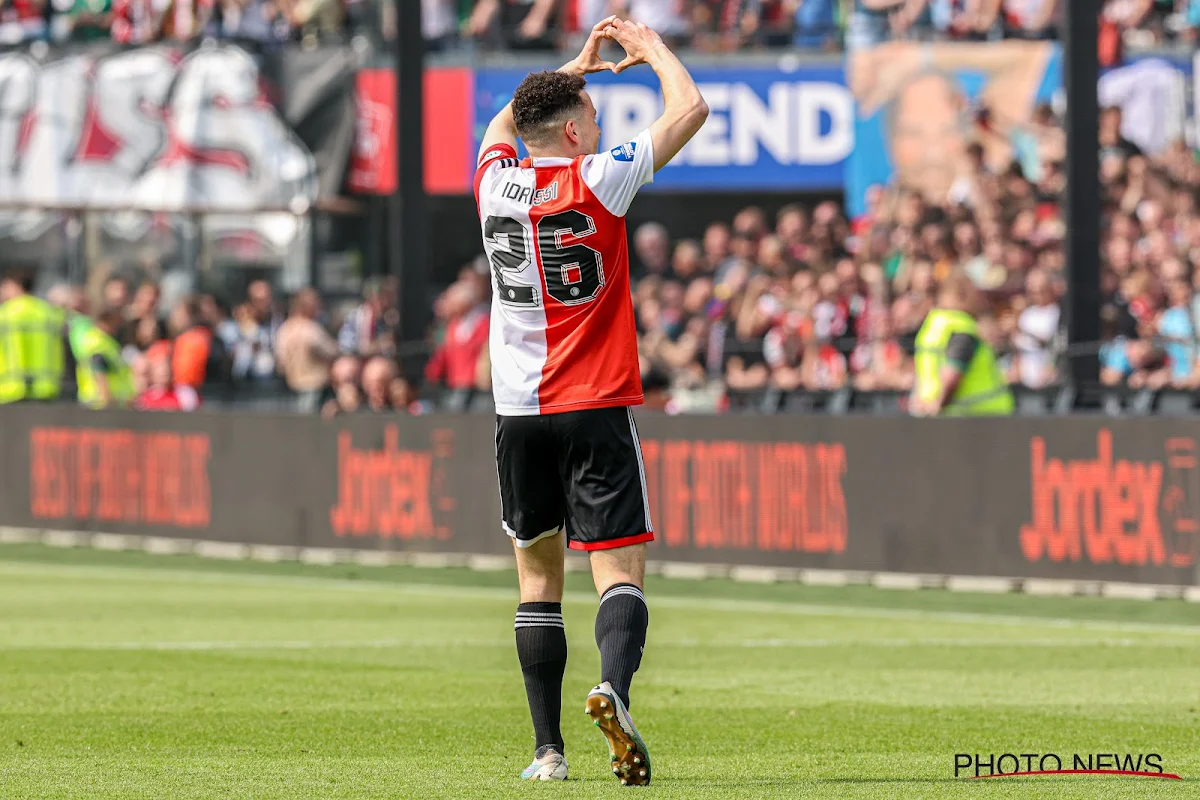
(621, 635)
(542, 648)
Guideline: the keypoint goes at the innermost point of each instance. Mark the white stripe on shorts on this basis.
(637, 446)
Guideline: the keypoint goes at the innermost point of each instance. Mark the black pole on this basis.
(408, 220)
(1081, 76)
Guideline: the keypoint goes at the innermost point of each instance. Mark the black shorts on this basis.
(581, 470)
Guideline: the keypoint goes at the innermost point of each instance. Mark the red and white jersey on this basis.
(562, 330)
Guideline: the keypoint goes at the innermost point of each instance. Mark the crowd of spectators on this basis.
(144, 21)
(702, 25)
(196, 349)
(802, 300)
(805, 299)
(734, 25)
(808, 299)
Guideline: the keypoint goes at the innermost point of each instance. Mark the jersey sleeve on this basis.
(616, 175)
(498, 154)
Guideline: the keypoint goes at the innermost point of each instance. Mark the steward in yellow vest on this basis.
(105, 380)
(957, 374)
(33, 351)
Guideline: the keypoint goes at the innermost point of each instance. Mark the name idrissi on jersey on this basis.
(529, 195)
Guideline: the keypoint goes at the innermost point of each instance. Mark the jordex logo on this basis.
(1106, 511)
(388, 492)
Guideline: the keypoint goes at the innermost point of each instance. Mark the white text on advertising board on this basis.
(801, 123)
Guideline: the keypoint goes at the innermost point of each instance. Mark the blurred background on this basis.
(234, 177)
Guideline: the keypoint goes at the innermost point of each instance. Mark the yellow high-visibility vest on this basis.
(92, 342)
(31, 350)
(982, 390)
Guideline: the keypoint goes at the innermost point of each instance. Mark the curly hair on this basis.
(542, 99)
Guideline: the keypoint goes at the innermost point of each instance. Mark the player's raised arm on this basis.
(685, 109)
(503, 129)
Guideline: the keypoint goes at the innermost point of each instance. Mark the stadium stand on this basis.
(805, 310)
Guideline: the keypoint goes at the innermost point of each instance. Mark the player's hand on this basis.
(589, 60)
(637, 39)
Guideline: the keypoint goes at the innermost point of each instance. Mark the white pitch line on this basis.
(753, 644)
(746, 644)
(376, 644)
(125, 574)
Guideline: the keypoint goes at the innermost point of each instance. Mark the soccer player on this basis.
(565, 372)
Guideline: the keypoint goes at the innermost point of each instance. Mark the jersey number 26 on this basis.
(572, 271)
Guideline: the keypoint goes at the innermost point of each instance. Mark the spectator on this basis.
(831, 314)
(192, 345)
(1148, 365)
(716, 248)
(815, 20)
(744, 338)
(1125, 15)
(879, 362)
(146, 299)
(148, 333)
(1113, 143)
(162, 393)
(251, 20)
(144, 304)
(1179, 335)
(667, 18)
(377, 376)
(439, 22)
(104, 380)
(342, 395)
(791, 226)
(823, 368)
(83, 20)
(782, 351)
(1037, 328)
(184, 20)
(22, 21)
(115, 294)
(403, 397)
(1031, 19)
(456, 359)
(69, 297)
(313, 17)
(216, 313)
(258, 325)
(370, 329)
(772, 257)
(304, 351)
(136, 21)
(869, 22)
(519, 24)
(656, 387)
(687, 262)
(652, 250)
(140, 368)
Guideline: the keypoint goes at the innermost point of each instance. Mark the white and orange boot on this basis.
(628, 753)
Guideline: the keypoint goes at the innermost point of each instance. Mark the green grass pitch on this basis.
(124, 675)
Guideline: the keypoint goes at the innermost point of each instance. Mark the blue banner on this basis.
(902, 113)
(769, 128)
